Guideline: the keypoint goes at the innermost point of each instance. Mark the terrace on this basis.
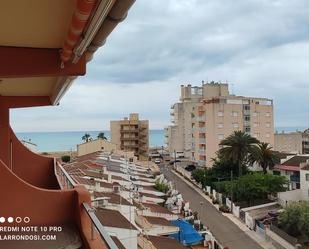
(44, 46)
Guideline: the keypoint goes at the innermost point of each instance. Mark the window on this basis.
(255, 114)
(247, 107)
(267, 135)
(268, 125)
(267, 114)
(220, 136)
(307, 177)
(256, 125)
(256, 135)
(235, 125)
(247, 118)
(220, 125)
(220, 114)
(234, 114)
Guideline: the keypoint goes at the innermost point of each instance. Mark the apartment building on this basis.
(205, 115)
(131, 134)
(178, 135)
(289, 142)
(292, 142)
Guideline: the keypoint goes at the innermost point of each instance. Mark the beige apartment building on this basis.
(218, 114)
(131, 134)
(288, 142)
(178, 135)
(293, 142)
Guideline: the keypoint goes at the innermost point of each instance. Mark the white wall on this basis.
(126, 236)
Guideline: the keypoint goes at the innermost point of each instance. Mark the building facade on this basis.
(292, 142)
(178, 135)
(131, 134)
(216, 114)
(288, 142)
(94, 146)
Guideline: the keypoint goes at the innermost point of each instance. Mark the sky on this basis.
(260, 47)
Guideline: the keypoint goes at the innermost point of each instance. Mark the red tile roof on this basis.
(156, 208)
(161, 242)
(159, 221)
(112, 198)
(112, 218)
(118, 242)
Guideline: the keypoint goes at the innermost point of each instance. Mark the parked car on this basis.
(190, 167)
(157, 160)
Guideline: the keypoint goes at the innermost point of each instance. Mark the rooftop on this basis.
(161, 242)
(112, 218)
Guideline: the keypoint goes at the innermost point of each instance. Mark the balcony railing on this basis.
(202, 152)
(201, 118)
(201, 129)
(95, 222)
(201, 162)
(202, 140)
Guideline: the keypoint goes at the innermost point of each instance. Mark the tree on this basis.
(237, 147)
(86, 137)
(295, 219)
(101, 135)
(252, 187)
(264, 156)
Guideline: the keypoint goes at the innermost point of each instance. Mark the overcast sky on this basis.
(261, 47)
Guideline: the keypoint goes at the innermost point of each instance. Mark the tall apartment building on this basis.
(131, 134)
(295, 142)
(214, 116)
(179, 134)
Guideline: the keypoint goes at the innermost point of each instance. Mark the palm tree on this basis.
(237, 147)
(86, 137)
(102, 136)
(264, 156)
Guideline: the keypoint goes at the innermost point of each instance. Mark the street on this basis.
(226, 232)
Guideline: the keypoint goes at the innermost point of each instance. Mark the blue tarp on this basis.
(187, 235)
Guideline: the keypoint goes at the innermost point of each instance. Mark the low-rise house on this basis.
(117, 225)
(158, 242)
(155, 225)
(304, 181)
(290, 168)
(155, 210)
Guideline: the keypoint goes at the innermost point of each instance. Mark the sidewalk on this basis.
(252, 234)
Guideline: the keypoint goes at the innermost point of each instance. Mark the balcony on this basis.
(201, 118)
(202, 140)
(202, 152)
(129, 138)
(201, 129)
(201, 163)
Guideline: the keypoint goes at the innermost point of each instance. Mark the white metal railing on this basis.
(96, 225)
(65, 177)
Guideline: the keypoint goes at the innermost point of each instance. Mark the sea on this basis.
(67, 140)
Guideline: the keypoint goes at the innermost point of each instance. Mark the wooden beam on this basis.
(18, 62)
(24, 101)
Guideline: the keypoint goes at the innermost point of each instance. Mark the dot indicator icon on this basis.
(2, 219)
(10, 219)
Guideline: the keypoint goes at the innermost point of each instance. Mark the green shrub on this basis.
(66, 158)
(224, 208)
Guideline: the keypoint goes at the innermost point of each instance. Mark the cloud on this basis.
(259, 46)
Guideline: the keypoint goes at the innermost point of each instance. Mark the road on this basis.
(226, 232)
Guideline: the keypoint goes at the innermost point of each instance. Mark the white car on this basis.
(157, 161)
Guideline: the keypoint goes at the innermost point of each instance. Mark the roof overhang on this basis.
(32, 38)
